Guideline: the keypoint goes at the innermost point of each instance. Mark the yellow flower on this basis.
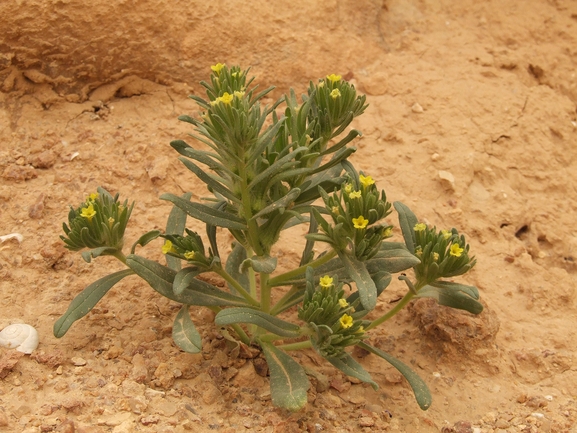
(361, 330)
(92, 197)
(343, 303)
(446, 234)
(217, 68)
(88, 212)
(435, 256)
(226, 98)
(355, 194)
(360, 222)
(346, 321)
(234, 74)
(333, 78)
(335, 210)
(238, 94)
(366, 180)
(326, 282)
(110, 222)
(418, 251)
(348, 188)
(167, 247)
(321, 84)
(456, 250)
(419, 227)
(388, 232)
(336, 93)
(189, 255)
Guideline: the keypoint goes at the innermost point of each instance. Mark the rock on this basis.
(447, 179)
(78, 361)
(3, 419)
(416, 108)
(19, 173)
(44, 159)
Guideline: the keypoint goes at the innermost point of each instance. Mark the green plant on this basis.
(267, 173)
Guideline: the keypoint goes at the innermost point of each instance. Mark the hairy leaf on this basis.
(272, 324)
(184, 332)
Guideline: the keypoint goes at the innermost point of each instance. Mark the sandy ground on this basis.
(486, 92)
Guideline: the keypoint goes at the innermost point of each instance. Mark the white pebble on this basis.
(416, 108)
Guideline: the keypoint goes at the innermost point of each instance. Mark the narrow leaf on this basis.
(96, 252)
(453, 295)
(206, 213)
(272, 324)
(420, 389)
(264, 264)
(288, 381)
(407, 221)
(198, 292)
(183, 279)
(235, 259)
(175, 226)
(393, 257)
(352, 368)
(283, 202)
(86, 300)
(145, 239)
(365, 284)
(210, 180)
(184, 332)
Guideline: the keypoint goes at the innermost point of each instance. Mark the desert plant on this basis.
(266, 173)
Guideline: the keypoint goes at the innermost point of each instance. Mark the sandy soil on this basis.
(485, 91)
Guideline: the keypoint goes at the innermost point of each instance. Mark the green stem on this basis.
(220, 271)
(280, 279)
(270, 337)
(391, 313)
(241, 334)
(265, 293)
(297, 346)
(120, 256)
(280, 305)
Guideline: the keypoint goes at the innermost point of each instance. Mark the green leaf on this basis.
(281, 203)
(207, 214)
(264, 264)
(145, 239)
(288, 381)
(175, 226)
(184, 333)
(359, 274)
(184, 278)
(407, 221)
(393, 257)
(352, 368)
(86, 300)
(210, 180)
(420, 389)
(203, 157)
(161, 279)
(272, 324)
(235, 259)
(453, 295)
(96, 252)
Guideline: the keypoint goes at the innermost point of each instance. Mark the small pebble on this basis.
(416, 108)
(77, 361)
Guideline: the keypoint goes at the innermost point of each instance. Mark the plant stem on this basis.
(280, 305)
(120, 256)
(220, 271)
(297, 346)
(270, 337)
(265, 293)
(241, 334)
(280, 279)
(392, 312)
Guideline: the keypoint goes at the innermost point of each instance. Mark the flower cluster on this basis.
(443, 253)
(100, 221)
(331, 318)
(189, 248)
(354, 210)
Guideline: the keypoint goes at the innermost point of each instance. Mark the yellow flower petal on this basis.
(446, 234)
(88, 212)
(189, 255)
(360, 222)
(336, 93)
(333, 78)
(355, 194)
(167, 247)
(456, 250)
(346, 321)
(419, 227)
(326, 282)
(217, 68)
(343, 303)
(366, 180)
